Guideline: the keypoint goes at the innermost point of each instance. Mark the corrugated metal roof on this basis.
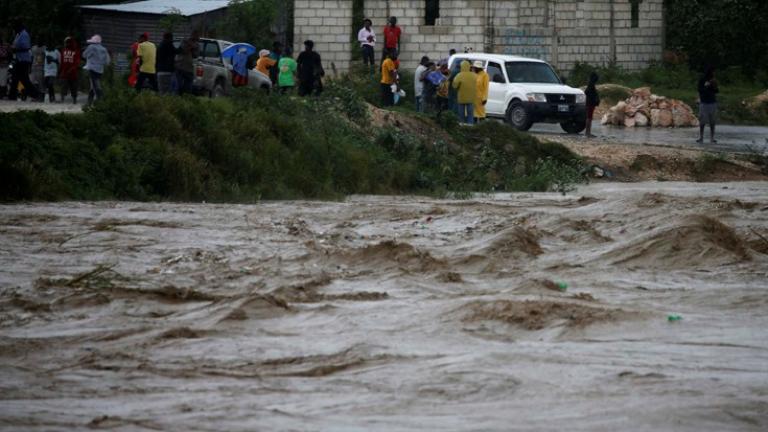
(163, 7)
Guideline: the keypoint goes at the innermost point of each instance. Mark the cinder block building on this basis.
(629, 33)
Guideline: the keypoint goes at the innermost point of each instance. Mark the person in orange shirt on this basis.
(265, 63)
(388, 77)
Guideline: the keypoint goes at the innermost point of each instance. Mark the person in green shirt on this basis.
(287, 69)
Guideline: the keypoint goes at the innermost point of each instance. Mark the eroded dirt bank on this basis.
(507, 312)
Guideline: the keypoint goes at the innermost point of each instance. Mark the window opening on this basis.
(431, 12)
(635, 18)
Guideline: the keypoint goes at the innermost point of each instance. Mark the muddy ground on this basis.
(504, 312)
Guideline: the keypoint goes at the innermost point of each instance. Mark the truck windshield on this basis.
(531, 72)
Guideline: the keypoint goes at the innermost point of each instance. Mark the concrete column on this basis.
(613, 32)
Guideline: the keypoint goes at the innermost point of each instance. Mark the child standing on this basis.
(51, 70)
(593, 100)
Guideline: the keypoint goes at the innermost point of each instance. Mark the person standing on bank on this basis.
(593, 101)
(96, 59)
(21, 48)
(465, 84)
(392, 34)
(240, 68)
(70, 65)
(708, 90)
(185, 65)
(483, 84)
(51, 69)
(388, 78)
(367, 39)
(147, 54)
(166, 64)
(286, 70)
(419, 78)
(310, 68)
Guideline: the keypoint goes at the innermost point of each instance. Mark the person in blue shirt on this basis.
(240, 68)
(22, 50)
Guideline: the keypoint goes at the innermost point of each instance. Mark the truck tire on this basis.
(218, 90)
(518, 117)
(574, 126)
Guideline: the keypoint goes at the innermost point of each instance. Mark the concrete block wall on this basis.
(562, 32)
(329, 24)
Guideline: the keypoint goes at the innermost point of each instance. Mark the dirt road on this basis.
(505, 312)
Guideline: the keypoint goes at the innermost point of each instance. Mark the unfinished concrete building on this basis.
(629, 33)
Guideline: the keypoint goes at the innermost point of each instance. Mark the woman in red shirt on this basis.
(70, 67)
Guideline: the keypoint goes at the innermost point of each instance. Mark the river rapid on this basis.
(619, 307)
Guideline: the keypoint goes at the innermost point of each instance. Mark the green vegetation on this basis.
(256, 146)
(249, 21)
(679, 82)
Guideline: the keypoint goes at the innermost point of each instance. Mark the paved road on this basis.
(730, 138)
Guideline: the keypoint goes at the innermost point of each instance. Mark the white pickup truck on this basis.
(213, 75)
(524, 91)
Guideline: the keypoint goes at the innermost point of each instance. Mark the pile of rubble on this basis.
(646, 109)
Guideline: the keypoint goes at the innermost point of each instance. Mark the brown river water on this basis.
(500, 312)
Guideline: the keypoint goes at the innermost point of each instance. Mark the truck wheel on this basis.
(518, 117)
(218, 90)
(574, 126)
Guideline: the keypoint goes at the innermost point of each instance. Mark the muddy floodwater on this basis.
(619, 307)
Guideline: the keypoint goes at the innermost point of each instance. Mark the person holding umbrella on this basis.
(239, 54)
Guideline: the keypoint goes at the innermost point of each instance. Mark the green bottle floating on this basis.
(562, 286)
(673, 318)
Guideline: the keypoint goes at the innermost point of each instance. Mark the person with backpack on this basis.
(593, 101)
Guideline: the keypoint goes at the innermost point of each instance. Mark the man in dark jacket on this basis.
(310, 70)
(708, 91)
(166, 59)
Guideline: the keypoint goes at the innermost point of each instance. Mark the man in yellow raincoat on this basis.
(465, 84)
(481, 98)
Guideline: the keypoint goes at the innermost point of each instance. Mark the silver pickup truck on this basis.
(213, 76)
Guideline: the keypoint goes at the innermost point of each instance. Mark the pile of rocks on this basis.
(646, 109)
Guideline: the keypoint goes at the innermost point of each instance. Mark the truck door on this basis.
(496, 90)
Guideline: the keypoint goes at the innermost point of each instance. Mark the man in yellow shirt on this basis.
(483, 83)
(465, 84)
(147, 55)
(388, 77)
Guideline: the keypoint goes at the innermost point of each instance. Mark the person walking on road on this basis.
(96, 59)
(367, 38)
(70, 69)
(310, 70)
(708, 90)
(483, 85)
(287, 69)
(147, 54)
(419, 78)
(593, 101)
(465, 84)
(166, 64)
(22, 50)
(185, 64)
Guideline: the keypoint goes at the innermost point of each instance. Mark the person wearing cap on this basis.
(240, 68)
(483, 84)
(265, 63)
(465, 84)
(367, 39)
(147, 54)
(392, 34)
(96, 59)
(310, 70)
(418, 84)
(21, 48)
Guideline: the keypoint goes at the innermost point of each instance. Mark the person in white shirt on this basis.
(51, 69)
(418, 83)
(367, 39)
